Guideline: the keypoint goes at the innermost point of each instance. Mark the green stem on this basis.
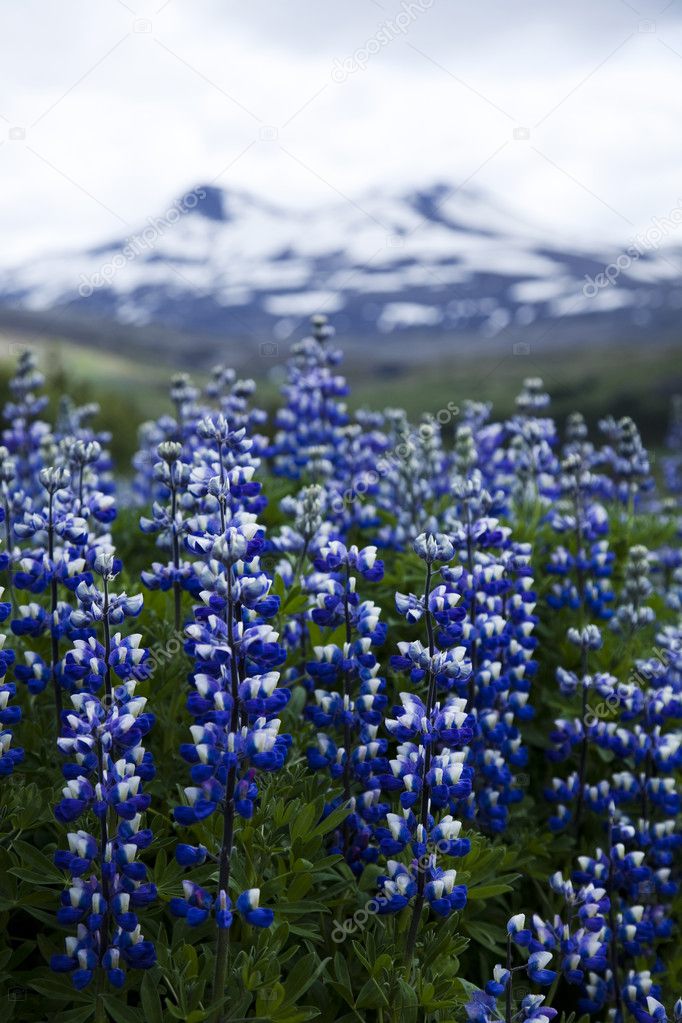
(508, 994)
(425, 796)
(8, 543)
(100, 1010)
(225, 857)
(54, 638)
(582, 769)
(347, 739)
(300, 562)
(177, 591)
(107, 642)
(223, 943)
(613, 928)
(347, 736)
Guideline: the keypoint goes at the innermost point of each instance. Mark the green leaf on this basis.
(303, 975)
(57, 988)
(76, 1015)
(331, 822)
(190, 956)
(35, 876)
(119, 1012)
(301, 908)
(371, 996)
(341, 971)
(151, 1002)
(29, 856)
(486, 891)
(302, 825)
(486, 934)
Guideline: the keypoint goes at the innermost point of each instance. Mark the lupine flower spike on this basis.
(10, 716)
(105, 772)
(428, 769)
(173, 475)
(235, 699)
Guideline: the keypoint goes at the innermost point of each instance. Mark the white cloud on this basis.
(118, 120)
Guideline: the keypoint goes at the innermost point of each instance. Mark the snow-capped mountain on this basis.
(219, 261)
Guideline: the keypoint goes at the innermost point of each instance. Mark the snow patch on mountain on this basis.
(428, 259)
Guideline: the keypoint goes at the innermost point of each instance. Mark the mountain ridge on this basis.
(431, 259)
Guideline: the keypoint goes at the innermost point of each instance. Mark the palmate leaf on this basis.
(34, 858)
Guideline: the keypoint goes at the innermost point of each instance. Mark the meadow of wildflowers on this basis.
(330, 715)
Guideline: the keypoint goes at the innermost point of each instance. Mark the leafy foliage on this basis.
(330, 955)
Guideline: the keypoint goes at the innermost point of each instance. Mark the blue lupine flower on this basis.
(537, 971)
(334, 556)
(307, 441)
(235, 697)
(576, 733)
(483, 1007)
(433, 547)
(348, 692)
(633, 612)
(427, 771)
(251, 912)
(26, 432)
(104, 773)
(406, 472)
(64, 520)
(225, 394)
(9, 716)
(173, 475)
(626, 458)
(495, 623)
(449, 750)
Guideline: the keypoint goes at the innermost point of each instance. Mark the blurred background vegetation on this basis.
(634, 379)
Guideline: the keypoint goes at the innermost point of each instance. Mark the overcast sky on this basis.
(568, 112)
